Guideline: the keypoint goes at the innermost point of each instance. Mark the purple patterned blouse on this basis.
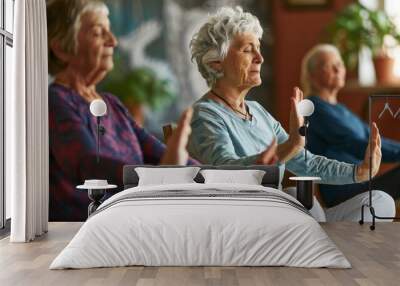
(73, 149)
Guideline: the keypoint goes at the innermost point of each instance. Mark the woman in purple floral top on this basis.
(79, 58)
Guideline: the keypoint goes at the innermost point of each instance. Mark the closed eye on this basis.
(251, 48)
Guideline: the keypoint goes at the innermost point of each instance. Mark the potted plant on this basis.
(356, 27)
(137, 88)
(384, 36)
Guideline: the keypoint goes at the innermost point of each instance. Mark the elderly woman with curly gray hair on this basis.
(228, 129)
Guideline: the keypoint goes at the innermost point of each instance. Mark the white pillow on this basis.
(248, 177)
(165, 176)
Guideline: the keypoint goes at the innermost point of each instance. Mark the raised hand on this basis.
(296, 120)
(362, 172)
(176, 152)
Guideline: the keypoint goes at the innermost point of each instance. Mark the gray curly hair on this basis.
(309, 63)
(212, 41)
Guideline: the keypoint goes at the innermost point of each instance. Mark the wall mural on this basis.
(149, 70)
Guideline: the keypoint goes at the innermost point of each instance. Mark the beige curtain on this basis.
(27, 154)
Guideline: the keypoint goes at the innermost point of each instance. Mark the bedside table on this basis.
(96, 191)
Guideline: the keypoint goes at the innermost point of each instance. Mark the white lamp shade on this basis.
(98, 107)
(305, 107)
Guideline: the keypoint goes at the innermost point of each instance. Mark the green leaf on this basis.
(140, 85)
(357, 26)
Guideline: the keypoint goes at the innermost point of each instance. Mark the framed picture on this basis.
(307, 4)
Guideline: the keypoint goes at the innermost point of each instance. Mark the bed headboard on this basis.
(270, 179)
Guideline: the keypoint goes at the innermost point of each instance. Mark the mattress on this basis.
(201, 225)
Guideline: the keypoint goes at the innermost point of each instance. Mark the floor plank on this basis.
(374, 255)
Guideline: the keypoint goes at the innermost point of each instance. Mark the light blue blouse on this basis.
(220, 137)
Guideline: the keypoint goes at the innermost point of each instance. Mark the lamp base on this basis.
(305, 190)
(95, 195)
(305, 193)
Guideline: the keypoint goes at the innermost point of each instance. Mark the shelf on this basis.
(354, 86)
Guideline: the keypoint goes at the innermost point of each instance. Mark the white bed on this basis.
(201, 224)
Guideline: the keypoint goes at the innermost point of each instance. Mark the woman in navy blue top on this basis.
(336, 132)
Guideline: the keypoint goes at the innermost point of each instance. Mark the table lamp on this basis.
(304, 185)
(305, 108)
(98, 108)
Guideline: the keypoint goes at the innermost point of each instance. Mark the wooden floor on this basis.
(374, 255)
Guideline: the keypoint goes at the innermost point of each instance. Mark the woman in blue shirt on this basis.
(227, 129)
(336, 132)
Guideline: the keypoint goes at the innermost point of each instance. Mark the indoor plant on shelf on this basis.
(137, 88)
(356, 27)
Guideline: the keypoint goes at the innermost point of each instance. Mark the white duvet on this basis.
(183, 231)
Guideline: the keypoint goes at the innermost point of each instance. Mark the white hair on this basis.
(309, 64)
(63, 25)
(212, 41)
(94, 7)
